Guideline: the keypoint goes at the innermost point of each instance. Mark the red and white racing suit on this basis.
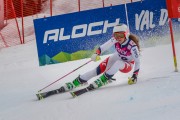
(126, 55)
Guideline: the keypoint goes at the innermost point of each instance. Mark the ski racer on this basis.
(126, 56)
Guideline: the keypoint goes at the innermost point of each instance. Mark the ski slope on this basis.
(154, 97)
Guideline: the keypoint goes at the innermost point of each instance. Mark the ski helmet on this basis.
(122, 28)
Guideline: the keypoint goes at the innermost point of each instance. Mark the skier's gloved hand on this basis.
(95, 57)
(133, 79)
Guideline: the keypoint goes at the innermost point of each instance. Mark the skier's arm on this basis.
(102, 48)
(106, 46)
(135, 55)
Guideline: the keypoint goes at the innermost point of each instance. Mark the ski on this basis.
(68, 87)
(82, 91)
(43, 95)
(91, 87)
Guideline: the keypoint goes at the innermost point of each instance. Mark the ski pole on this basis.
(65, 75)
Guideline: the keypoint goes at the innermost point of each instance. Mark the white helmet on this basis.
(122, 28)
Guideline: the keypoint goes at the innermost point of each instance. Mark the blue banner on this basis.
(74, 36)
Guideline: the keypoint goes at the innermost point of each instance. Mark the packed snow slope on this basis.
(154, 97)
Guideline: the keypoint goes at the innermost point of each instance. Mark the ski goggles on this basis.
(119, 35)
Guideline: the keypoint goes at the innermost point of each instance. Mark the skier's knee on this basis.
(102, 66)
(127, 68)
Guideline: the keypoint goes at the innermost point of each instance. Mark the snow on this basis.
(154, 97)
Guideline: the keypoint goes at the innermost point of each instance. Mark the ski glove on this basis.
(132, 80)
(95, 57)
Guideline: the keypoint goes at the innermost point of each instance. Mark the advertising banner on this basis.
(1, 13)
(75, 36)
(173, 7)
(148, 20)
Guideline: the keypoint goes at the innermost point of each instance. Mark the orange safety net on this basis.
(19, 15)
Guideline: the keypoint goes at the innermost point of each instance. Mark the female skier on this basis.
(126, 55)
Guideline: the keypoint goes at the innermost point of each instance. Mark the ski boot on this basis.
(103, 80)
(74, 84)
